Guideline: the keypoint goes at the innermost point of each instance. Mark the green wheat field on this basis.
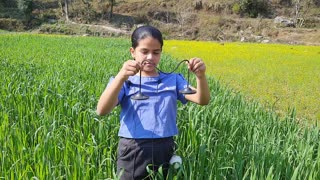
(50, 86)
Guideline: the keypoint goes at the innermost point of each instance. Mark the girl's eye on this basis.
(144, 52)
(147, 52)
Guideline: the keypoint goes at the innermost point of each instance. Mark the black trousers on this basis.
(134, 155)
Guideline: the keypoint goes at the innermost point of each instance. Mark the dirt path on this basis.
(105, 27)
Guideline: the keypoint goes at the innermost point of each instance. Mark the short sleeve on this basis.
(121, 93)
(181, 84)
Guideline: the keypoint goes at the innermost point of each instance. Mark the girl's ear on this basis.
(132, 52)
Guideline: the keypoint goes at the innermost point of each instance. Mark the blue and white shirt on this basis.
(154, 117)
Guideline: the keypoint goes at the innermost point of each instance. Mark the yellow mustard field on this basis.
(279, 76)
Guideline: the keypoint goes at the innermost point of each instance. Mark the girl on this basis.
(147, 126)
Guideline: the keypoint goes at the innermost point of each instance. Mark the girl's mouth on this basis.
(147, 63)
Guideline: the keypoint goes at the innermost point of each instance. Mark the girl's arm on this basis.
(202, 97)
(109, 98)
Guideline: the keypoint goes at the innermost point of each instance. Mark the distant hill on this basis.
(209, 20)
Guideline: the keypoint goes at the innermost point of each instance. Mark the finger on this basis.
(198, 66)
(135, 67)
(133, 64)
(131, 68)
(196, 69)
(192, 63)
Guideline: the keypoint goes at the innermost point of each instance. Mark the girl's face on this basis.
(149, 49)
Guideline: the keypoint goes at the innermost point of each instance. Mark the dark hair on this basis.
(143, 32)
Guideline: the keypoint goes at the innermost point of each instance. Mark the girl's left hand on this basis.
(197, 66)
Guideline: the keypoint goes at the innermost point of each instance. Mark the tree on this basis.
(301, 9)
(8, 3)
(66, 9)
(254, 8)
(112, 3)
(26, 7)
(286, 2)
(107, 8)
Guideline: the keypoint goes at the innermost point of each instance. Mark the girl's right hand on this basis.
(129, 68)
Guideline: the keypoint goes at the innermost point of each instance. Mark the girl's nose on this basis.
(149, 56)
